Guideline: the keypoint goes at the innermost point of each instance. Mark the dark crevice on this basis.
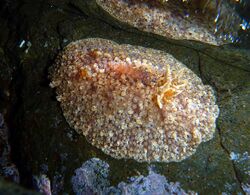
(76, 11)
(223, 62)
(203, 78)
(227, 93)
(236, 174)
(238, 179)
(60, 36)
(219, 60)
(11, 51)
(219, 131)
(115, 27)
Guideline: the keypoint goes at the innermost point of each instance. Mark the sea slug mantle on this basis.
(133, 102)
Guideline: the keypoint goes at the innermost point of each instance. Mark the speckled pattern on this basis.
(133, 102)
(174, 20)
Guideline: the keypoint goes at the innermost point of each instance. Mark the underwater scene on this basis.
(125, 97)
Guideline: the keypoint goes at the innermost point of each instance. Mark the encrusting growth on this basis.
(133, 102)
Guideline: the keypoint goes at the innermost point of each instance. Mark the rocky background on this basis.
(35, 138)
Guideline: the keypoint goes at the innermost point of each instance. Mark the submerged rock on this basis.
(10, 188)
(213, 22)
(7, 169)
(41, 134)
(133, 102)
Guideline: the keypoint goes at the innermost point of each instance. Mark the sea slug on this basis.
(213, 22)
(133, 102)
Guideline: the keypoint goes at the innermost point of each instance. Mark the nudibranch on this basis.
(213, 22)
(133, 102)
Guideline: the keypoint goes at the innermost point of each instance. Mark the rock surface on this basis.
(42, 141)
(8, 188)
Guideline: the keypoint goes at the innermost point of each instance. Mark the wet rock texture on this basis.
(43, 143)
(8, 170)
(14, 189)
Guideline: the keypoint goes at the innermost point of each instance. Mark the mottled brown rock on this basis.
(133, 102)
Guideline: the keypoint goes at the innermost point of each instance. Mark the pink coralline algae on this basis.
(42, 184)
(92, 178)
(213, 22)
(133, 102)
